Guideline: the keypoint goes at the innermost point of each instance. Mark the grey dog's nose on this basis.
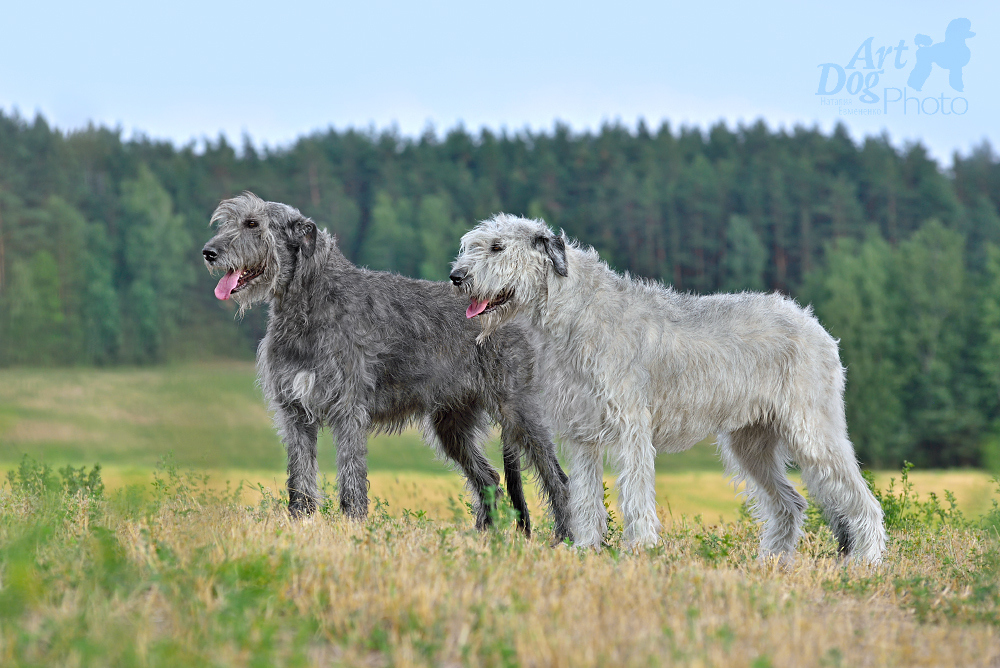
(458, 276)
(209, 254)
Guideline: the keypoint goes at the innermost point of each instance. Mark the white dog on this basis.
(632, 368)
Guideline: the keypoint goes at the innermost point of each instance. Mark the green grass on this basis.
(207, 415)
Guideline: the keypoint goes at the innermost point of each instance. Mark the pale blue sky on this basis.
(188, 70)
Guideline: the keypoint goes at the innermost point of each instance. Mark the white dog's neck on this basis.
(569, 298)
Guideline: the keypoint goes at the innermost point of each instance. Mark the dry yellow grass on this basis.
(425, 586)
(186, 577)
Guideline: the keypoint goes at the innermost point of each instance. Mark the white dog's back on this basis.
(703, 365)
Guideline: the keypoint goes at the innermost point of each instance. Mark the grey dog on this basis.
(359, 350)
(632, 368)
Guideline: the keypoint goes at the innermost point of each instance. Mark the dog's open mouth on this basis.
(485, 306)
(233, 282)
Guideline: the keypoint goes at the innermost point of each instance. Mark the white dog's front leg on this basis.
(586, 494)
(637, 485)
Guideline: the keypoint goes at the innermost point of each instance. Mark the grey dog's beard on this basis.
(491, 322)
(258, 293)
(244, 305)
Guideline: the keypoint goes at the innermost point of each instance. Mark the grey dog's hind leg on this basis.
(515, 487)
(299, 434)
(459, 430)
(522, 428)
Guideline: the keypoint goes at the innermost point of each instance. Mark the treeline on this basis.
(100, 241)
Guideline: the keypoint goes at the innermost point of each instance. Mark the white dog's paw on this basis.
(642, 542)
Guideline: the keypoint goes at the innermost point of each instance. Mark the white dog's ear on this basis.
(555, 248)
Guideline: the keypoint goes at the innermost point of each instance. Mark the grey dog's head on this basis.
(258, 246)
(504, 266)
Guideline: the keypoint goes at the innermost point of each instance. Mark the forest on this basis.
(100, 240)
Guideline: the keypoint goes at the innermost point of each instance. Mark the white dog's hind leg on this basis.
(831, 474)
(586, 494)
(755, 453)
(637, 483)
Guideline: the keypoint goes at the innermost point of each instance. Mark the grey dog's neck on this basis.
(312, 278)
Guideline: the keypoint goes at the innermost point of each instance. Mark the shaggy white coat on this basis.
(632, 368)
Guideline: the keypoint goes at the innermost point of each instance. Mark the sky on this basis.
(187, 71)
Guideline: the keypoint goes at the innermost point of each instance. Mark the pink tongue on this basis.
(226, 285)
(475, 308)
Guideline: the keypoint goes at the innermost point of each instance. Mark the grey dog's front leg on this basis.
(352, 470)
(299, 433)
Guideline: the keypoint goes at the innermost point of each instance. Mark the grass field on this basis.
(168, 565)
(176, 573)
(207, 415)
(211, 416)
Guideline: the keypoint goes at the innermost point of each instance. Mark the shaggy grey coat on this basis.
(361, 350)
(632, 368)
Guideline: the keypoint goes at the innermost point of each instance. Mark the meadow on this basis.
(178, 551)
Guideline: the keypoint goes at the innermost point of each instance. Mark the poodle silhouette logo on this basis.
(862, 86)
(952, 54)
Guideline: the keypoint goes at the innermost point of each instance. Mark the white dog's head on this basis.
(504, 266)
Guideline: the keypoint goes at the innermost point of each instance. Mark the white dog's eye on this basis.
(496, 247)
(252, 223)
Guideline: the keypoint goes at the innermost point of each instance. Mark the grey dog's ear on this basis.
(555, 248)
(303, 230)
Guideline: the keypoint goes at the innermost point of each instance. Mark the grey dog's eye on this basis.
(252, 223)
(496, 248)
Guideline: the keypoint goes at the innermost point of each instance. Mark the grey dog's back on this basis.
(415, 361)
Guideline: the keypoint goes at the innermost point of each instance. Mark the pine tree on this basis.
(156, 253)
(439, 235)
(933, 321)
(746, 256)
(853, 299)
(392, 243)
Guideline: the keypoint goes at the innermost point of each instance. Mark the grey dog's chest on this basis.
(306, 364)
(333, 366)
